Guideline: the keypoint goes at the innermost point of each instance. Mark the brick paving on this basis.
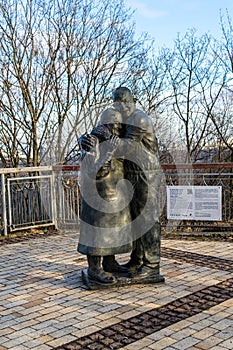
(44, 304)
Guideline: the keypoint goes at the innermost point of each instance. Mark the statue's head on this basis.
(123, 94)
(112, 119)
(124, 101)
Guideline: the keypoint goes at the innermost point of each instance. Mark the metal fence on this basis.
(28, 198)
(42, 196)
(67, 197)
(30, 201)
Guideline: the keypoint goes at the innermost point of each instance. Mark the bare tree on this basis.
(154, 94)
(226, 44)
(222, 115)
(25, 82)
(59, 63)
(222, 118)
(197, 80)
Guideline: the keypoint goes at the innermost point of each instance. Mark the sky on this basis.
(164, 19)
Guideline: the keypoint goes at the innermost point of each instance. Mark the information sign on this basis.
(194, 203)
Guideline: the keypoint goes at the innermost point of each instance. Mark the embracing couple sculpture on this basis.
(120, 178)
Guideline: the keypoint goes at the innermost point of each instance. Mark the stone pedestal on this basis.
(121, 280)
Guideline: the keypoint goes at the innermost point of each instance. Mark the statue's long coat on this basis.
(105, 221)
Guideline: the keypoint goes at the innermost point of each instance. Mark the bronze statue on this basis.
(104, 232)
(131, 153)
(143, 170)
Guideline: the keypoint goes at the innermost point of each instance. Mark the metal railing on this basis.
(42, 196)
(30, 201)
(67, 196)
(28, 198)
(39, 197)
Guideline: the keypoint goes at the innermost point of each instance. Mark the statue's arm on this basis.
(98, 156)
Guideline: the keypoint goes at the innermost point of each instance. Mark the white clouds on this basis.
(146, 11)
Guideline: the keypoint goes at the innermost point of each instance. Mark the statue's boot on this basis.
(111, 265)
(132, 265)
(135, 261)
(96, 272)
(147, 272)
(136, 257)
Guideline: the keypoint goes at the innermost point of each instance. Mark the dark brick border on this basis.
(212, 262)
(146, 323)
(138, 327)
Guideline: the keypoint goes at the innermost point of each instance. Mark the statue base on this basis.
(121, 280)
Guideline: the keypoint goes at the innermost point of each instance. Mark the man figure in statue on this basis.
(104, 213)
(142, 169)
(135, 146)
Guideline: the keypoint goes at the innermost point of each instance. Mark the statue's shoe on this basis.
(101, 276)
(114, 267)
(145, 272)
(132, 266)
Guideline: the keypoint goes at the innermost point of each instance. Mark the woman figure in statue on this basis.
(105, 216)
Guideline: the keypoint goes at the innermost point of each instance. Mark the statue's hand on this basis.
(101, 132)
(114, 141)
(87, 142)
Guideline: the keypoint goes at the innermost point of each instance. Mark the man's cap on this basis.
(123, 94)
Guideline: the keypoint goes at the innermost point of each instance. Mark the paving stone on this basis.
(42, 297)
(208, 343)
(205, 333)
(185, 343)
(163, 343)
(228, 344)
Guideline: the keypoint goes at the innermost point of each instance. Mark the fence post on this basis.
(54, 206)
(4, 209)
